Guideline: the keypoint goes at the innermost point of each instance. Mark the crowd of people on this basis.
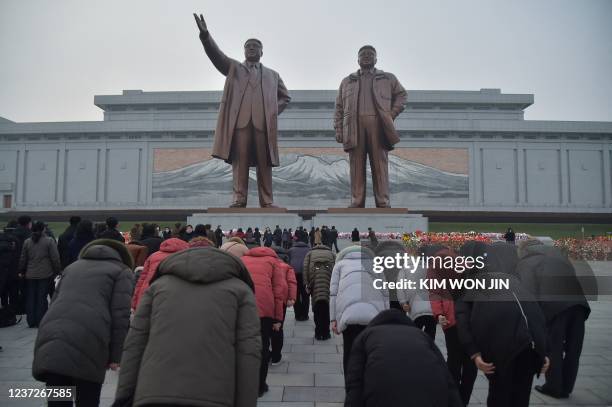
(195, 316)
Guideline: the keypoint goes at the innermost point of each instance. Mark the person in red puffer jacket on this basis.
(462, 368)
(269, 276)
(168, 247)
(278, 337)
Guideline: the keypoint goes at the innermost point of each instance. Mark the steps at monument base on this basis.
(390, 220)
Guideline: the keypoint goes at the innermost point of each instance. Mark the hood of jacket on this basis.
(204, 265)
(321, 247)
(107, 249)
(173, 245)
(536, 248)
(261, 252)
(355, 252)
(391, 317)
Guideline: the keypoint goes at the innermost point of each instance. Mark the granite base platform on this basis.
(344, 219)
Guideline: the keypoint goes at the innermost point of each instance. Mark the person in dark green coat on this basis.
(82, 333)
(318, 266)
(195, 337)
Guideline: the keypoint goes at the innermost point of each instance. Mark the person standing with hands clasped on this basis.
(502, 330)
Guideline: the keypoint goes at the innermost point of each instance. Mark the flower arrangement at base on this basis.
(592, 249)
(453, 240)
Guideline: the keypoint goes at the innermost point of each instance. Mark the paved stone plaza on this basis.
(311, 371)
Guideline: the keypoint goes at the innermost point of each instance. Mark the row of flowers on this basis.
(597, 248)
(453, 240)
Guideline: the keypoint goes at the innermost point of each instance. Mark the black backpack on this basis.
(9, 246)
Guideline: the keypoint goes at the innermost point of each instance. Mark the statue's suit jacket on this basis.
(389, 98)
(275, 96)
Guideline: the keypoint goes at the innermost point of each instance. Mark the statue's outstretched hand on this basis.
(201, 24)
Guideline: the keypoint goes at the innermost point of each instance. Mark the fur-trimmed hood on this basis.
(107, 249)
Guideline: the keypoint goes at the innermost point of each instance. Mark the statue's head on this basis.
(253, 50)
(366, 57)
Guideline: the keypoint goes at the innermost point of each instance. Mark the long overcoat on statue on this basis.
(389, 98)
(275, 96)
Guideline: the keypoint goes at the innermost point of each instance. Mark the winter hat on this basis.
(200, 241)
(238, 249)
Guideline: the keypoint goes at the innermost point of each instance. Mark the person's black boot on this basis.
(263, 390)
(543, 390)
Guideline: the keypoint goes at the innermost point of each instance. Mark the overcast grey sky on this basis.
(56, 55)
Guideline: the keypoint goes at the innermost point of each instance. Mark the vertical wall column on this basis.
(143, 179)
(472, 170)
(477, 164)
(607, 174)
(60, 184)
(565, 181)
(101, 188)
(521, 175)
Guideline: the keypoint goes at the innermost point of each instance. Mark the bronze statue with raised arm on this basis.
(368, 102)
(246, 134)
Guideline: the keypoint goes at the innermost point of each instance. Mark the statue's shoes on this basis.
(238, 205)
(270, 206)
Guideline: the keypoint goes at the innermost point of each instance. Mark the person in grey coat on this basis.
(195, 338)
(39, 263)
(82, 334)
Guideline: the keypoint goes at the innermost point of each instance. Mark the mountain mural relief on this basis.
(304, 179)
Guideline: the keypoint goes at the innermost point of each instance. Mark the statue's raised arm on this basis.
(221, 61)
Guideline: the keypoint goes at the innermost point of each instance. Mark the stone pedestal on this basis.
(389, 220)
(234, 218)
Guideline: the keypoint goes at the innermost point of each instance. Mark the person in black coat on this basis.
(64, 240)
(325, 237)
(510, 236)
(150, 239)
(355, 236)
(83, 234)
(551, 278)
(281, 252)
(393, 363)
(267, 238)
(24, 229)
(111, 231)
(277, 236)
(311, 237)
(82, 333)
(219, 236)
(257, 237)
(10, 252)
(333, 236)
(502, 330)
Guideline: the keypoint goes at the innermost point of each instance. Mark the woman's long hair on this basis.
(38, 228)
